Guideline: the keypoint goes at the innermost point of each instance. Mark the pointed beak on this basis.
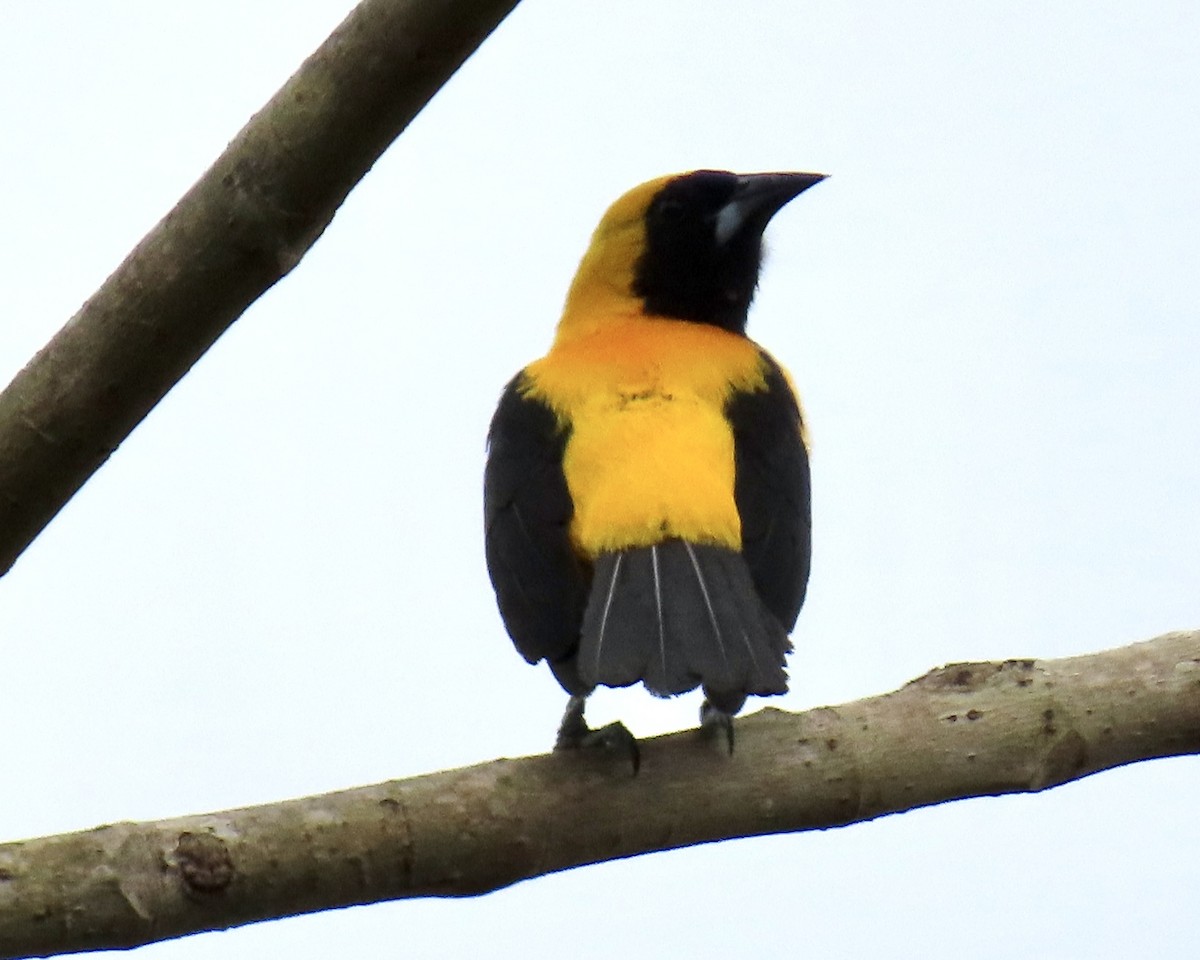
(757, 197)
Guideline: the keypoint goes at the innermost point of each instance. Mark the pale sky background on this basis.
(276, 586)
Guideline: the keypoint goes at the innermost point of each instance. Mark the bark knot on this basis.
(204, 863)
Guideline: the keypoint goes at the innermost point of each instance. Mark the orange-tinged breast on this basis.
(650, 453)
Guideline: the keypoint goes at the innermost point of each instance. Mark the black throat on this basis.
(685, 272)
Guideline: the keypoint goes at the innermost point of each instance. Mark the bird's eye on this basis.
(670, 210)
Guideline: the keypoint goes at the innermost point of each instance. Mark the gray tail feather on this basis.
(679, 615)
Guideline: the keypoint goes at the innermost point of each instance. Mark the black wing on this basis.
(541, 584)
(772, 492)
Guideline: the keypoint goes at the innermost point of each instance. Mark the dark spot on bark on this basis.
(1020, 667)
(831, 743)
(1048, 727)
(204, 862)
(5, 874)
(957, 676)
(953, 718)
(1065, 761)
(974, 714)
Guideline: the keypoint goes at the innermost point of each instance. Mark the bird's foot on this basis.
(715, 722)
(575, 734)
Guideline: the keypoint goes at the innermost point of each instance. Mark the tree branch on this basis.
(244, 224)
(964, 730)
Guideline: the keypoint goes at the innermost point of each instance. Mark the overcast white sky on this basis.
(276, 586)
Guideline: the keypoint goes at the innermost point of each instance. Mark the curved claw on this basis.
(616, 738)
(714, 721)
(574, 734)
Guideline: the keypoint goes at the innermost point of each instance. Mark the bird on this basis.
(647, 508)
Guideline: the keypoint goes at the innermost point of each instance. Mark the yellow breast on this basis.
(650, 454)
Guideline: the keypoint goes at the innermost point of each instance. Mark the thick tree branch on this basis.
(964, 730)
(245, 224)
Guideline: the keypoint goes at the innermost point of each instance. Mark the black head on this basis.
(703, 245)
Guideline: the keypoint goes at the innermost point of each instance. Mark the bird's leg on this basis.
(573, 729)
(715, 721)
(574, 733)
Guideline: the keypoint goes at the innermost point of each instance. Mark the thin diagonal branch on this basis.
(965, 730)
(245, 224)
